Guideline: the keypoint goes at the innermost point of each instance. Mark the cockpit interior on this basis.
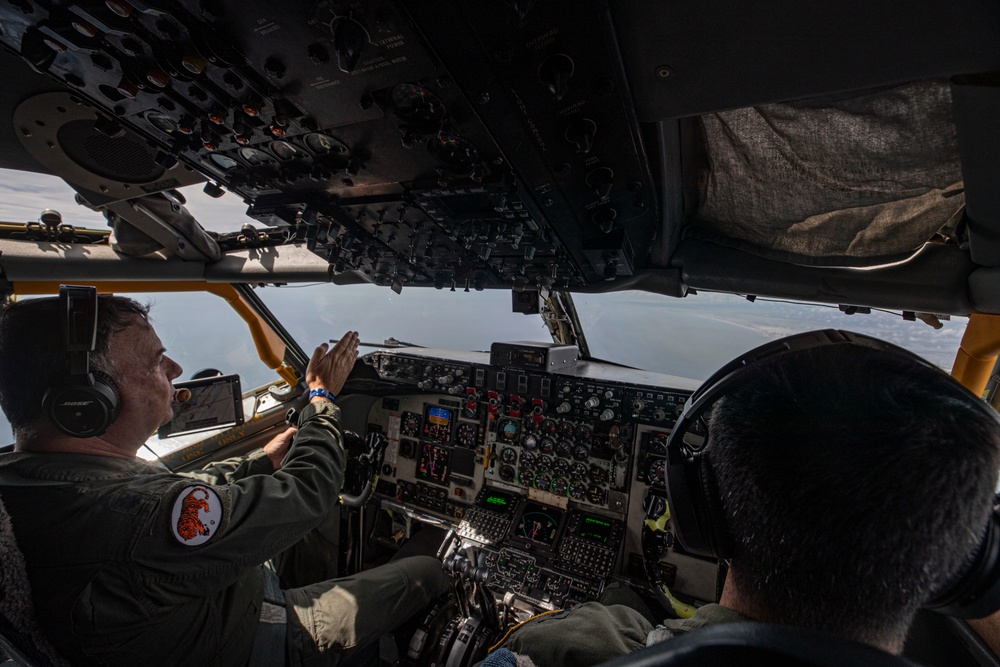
(840, 155)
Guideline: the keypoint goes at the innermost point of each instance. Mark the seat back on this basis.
(21, 637)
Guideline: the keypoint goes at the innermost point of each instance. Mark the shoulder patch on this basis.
(196, 516)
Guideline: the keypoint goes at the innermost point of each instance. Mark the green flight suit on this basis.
(131, 564)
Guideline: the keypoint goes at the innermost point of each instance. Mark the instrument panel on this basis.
(543, 473)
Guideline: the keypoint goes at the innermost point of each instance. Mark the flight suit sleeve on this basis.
(230, 470)
(202, 536)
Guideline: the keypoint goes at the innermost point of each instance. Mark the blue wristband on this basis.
(322, 392)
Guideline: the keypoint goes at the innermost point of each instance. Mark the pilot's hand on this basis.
(278, 446)
(328, 369)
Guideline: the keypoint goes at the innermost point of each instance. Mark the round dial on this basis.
(577, 490)
(507, 473)
(564, 449)
(223, 161)
(416, 104)
(256, 157)
(286, 151)
(525, 477)
(584, 433)
(548, 427)
(528, 459)
(559, 486)
(467, 435)
(508, 455)
(509, 430)
(567, 430)
(581, 452)
(543, 481)
(322, 144)
(598, 475)
(655, 472)
(529, 441)
(453, 151)
(546, 445)
(561, 467)
(578, 471)
(544, 462)
(410, 424)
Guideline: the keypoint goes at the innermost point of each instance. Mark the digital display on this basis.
(539, 524)
(527, 358)
(437, 423)
(594, 529)
(495, 500)
(434, 463)
(209, 403)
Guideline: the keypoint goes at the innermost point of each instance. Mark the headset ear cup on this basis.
(975, 590)
(84, 409)
(717, 525)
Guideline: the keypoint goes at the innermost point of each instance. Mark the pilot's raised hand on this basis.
(328, 368)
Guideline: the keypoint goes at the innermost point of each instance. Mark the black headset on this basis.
(84, 402)
(695, 503)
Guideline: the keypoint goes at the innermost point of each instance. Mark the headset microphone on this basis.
(84, 402)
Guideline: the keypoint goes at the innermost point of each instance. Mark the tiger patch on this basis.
(196, 516)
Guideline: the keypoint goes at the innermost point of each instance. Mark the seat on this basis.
(759, 644)
(21, 638)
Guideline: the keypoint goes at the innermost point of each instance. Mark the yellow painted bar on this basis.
(270, 347)
(978, 352)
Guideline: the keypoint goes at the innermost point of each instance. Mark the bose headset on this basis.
(84, 402)
(695, 505)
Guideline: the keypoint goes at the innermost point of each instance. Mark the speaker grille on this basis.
(122, 159)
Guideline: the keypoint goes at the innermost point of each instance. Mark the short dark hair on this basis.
(33, 353)
(854, 482)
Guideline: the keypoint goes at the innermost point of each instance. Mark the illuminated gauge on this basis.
(508, 455)
(578, 471)
(546, 445)
(409, 424)
(286, 151)
(577, 490)
(453, 151)
(549, 426)
(658, 443)
(507, 473)
(161, 122)
(322, 144)
(222, 161)
(655, 472)
(561, 467)
(584, 433)
(417, 105)
(581, 452)
(597, 495)
(598, 475)
(528, 459)
(543, 481)
(544, 462)
(564, 449)
(508, 429)
(467, 435)
(256, 157)
(529, 441)
(525, 477)
(559, 486)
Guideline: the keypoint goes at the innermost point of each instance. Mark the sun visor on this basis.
(859, 179)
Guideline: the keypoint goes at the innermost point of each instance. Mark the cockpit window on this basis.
(692, 337)
(425, 317)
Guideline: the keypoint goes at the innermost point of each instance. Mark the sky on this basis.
(689, 337)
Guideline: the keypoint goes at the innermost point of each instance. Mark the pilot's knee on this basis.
(425, 573)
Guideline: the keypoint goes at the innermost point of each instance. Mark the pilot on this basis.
(132, 564)
(854, 483)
